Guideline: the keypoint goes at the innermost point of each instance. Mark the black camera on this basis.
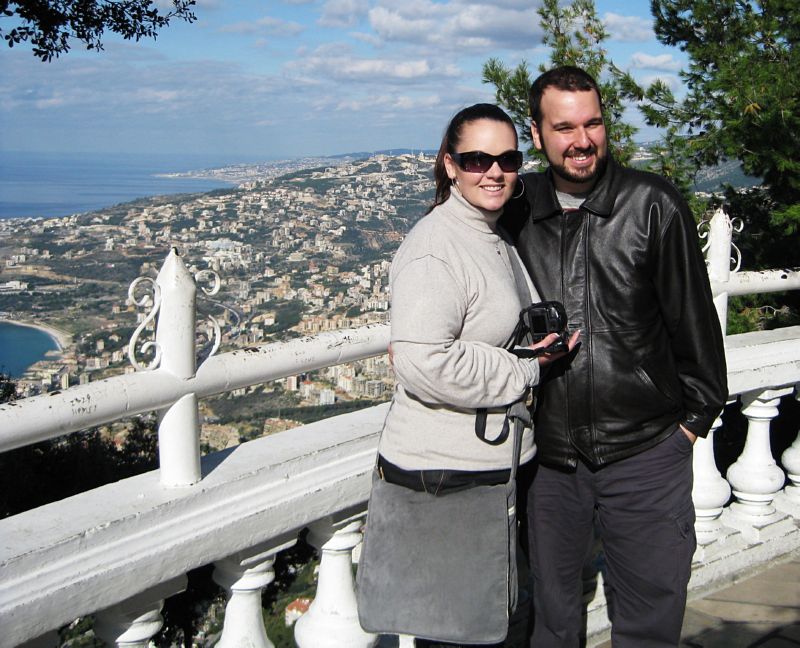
(536, 322)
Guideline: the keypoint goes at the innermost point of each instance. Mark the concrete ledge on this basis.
(90, 551)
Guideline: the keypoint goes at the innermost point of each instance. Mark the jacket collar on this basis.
(600, 201)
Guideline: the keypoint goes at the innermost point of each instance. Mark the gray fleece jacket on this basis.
(457, 290)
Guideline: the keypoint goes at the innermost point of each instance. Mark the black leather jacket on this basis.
(629, 270)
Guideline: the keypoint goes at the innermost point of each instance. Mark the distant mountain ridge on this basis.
(360, 155)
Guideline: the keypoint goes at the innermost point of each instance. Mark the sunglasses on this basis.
(480, 162)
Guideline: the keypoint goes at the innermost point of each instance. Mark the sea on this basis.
(59, 184)
(21, 346)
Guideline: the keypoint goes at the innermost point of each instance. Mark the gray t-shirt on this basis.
(569, 201)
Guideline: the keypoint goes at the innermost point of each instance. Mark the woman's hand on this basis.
(546, 358)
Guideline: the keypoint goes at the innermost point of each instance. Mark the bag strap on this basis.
(517, 414)
(521, 416)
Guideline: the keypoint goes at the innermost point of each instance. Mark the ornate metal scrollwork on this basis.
(201, 276)
(142, 302)
(731, 225)
(204, 275)
(736, 225)
(703, 231)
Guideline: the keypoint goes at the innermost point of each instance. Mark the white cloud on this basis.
(671, 81)
(342, 13)
(664, 62)
(389, 102)
(334, 63)
(265, 26)
(628, 28)
(458, 26)
(369, 39)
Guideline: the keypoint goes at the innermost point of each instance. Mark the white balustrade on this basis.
(332, 618)
(133, 622)
(755, 477)
(789, 500)
(239, 507)
(244, 577)
(710, 491)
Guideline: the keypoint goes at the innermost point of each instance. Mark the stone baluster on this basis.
(789, 500)
(755, 478)
(710, 492)
(332, 618)
(244, 577)
(133, 622)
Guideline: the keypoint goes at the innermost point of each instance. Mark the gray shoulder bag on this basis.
(442, 567)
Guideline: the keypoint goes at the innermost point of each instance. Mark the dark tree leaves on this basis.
(51, 27)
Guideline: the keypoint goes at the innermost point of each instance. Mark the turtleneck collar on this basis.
(478, 219)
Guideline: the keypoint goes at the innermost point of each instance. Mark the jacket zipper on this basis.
(588, 321)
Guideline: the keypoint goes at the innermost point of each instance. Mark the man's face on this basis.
(572, 135)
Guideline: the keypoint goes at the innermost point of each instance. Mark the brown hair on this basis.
(566, 77)
(451, 138)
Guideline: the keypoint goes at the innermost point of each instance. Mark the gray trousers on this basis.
(642, 509)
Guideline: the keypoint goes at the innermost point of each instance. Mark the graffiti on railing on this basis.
(82, 405)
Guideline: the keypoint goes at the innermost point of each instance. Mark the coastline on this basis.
(60, 337)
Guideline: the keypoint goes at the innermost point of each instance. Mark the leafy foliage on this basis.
(51, 26)
(743, 92)
(49, 471)
(575, 35)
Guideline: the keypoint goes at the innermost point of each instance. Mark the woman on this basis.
(457, 289)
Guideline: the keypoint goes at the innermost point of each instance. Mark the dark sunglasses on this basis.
(480, 162)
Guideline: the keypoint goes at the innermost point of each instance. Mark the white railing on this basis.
(119, 550)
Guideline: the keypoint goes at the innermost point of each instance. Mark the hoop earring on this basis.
(521, 193)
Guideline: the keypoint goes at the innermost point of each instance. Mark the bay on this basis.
(59, 184)
(22, 346)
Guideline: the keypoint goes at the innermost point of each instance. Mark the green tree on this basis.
(575, 35)
(743, 93)
(8, 388)
(51, 26)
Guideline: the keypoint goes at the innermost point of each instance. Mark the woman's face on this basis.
(491, 189)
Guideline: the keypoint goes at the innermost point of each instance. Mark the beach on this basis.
(60, 337)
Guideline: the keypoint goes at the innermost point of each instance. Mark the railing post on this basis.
(179, 425)
(332, 618)
(789, 500)
(718, 259)
(244, 576)
(755, 478)
(133, 622)
(710, 492)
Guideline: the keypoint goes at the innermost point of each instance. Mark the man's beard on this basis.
(584, 175)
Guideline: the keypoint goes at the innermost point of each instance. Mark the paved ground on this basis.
(762, 611)
(758, 612)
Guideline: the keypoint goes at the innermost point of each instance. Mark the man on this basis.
(616, 419)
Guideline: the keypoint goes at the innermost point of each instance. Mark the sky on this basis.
(293, 78)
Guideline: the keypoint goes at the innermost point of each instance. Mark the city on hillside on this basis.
(298, 253)
(300, 248)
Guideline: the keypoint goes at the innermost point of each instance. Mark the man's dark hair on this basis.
(566, 77)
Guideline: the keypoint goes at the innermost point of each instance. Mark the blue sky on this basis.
(265, 80)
